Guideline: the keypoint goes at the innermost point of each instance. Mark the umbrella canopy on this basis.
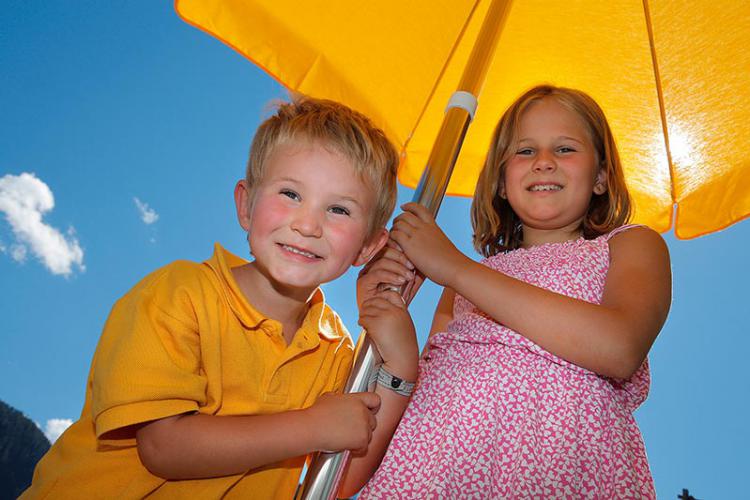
(672, 78)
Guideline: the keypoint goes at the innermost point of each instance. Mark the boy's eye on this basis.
(340, 210)
(289, 194)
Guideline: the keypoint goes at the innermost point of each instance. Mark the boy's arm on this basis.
(192, 446)
(389, 325)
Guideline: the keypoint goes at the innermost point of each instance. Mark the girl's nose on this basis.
(545, 162)
(307, 222)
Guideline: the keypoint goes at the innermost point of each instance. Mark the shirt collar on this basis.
(319, 320)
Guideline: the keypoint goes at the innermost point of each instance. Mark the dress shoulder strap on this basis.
(621, 229)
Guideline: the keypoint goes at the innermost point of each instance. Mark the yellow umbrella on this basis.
(672, 78)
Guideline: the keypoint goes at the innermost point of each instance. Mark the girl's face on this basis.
(550, 178)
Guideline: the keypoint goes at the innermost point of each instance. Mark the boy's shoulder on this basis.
(177, 272)
(332, 324)
(178, 278)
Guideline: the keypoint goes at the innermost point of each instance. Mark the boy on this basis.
(218, 379)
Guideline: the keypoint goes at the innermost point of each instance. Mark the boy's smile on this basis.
(308, 217)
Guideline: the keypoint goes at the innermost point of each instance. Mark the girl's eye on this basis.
(289, 194)
(566, 149)
(340, 210)
(524, 151)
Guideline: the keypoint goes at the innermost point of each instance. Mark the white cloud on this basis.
(24, 199)
(55, 427)
(148, 214)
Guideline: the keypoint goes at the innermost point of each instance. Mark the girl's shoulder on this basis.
(635, 241)
(631, 232)
(626, 228)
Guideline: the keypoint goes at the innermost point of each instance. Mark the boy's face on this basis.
(308, 217)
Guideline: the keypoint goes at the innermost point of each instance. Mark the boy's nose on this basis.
(307, 222)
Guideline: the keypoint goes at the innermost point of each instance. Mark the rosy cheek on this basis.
(270, 209)
(345, 233)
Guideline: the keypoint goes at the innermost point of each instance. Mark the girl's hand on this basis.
(389, 270)
(390, 326)
(424, 244)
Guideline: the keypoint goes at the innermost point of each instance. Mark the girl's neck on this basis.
(533, 237)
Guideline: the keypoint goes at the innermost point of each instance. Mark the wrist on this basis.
(394, 383)
(405, 370)
(312, 441)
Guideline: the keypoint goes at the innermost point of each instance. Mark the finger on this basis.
(396, 266)
(407, 218)
(370, 399)
(392, 244)
(419, 211)
(400, 236)
(395, 253)
(393, 297)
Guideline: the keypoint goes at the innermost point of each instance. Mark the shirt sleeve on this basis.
(148, 362)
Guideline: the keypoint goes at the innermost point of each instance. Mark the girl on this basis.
(537, 355)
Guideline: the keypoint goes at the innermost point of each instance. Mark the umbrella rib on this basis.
(442, 72)
(660, 97)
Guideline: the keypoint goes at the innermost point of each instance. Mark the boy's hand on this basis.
(389, 270)
(344, 421)
(425, 244)
(390, 326)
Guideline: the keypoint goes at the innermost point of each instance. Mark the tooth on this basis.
(300, 252)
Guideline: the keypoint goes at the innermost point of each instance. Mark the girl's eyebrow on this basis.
(561, 137)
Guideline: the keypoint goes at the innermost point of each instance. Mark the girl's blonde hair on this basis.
(496, 226)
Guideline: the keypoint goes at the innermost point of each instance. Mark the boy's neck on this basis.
(286, 305)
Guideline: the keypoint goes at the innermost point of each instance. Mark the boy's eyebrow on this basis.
(350, 199)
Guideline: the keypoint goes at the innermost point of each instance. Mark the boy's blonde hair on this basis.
(496, 226)
(332, 125)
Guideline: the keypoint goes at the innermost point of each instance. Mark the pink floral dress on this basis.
(496, 416)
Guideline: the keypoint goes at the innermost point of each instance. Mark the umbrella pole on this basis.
(326, 469)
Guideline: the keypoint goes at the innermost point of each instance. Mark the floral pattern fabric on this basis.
(496, 416)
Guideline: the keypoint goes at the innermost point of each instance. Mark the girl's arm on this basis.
(443, 311)
(443, 315)
(193, 446)
(388, 323)
(611, 339)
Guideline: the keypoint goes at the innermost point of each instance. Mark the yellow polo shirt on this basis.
(185, 339)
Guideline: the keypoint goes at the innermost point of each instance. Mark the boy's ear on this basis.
(372, 246)
(600, 183)
(242, 200)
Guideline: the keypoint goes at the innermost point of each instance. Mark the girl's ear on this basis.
(501, 191)
(371, 247)
(600, 183)
(242, 201)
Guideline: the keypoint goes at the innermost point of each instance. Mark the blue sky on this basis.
(108, 102)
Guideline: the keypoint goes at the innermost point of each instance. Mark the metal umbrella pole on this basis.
(326, 469)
